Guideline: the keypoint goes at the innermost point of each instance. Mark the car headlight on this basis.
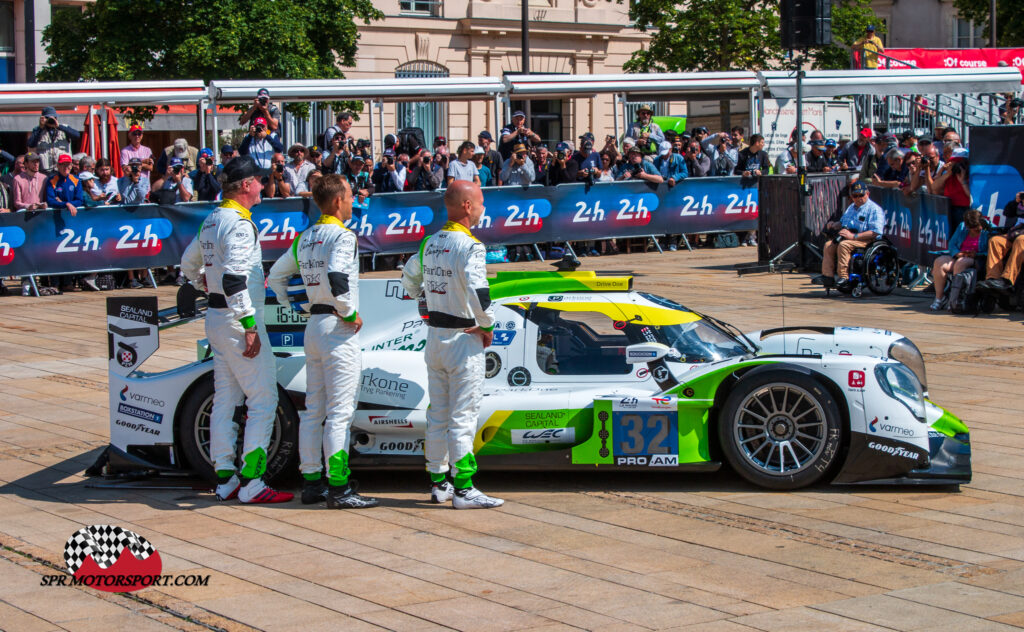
(901, 384)
(905, 351)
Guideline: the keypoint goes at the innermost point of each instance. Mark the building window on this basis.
(433, 8)
(429, 116)
(967, 34)
(6, 27)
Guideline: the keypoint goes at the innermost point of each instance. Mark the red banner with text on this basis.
(955, 58)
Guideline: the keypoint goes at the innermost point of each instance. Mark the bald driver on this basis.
(451, 271)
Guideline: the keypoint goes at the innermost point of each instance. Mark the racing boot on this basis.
(227, 488)
(314, 491)
(257, 492)
(473, 498)
(441, 492)
(345, 497)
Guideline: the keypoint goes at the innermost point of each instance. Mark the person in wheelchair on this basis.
(862, 223)
(1006, 252)
(970, 240)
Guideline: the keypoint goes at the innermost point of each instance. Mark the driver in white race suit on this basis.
(225, 260)
(327, 257)
(450, 268)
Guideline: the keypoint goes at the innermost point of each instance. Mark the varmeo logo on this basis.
(127, 395)
(11, 237)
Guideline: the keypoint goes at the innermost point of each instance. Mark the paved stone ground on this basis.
(585, 551)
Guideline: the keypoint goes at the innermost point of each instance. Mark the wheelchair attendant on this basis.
(970, 240)
(862, 223)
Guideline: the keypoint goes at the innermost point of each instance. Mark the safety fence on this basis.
(150, 236)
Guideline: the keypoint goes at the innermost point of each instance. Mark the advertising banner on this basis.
(149, 235)
(915, 224)
(997, 168)
(954, 57)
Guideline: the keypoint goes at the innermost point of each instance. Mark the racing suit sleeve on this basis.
(412, 274)
(478, 291)
(343, 258)
(192, 264)
(238, 255)
(283, 270)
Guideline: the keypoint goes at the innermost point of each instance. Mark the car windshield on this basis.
(699, 341)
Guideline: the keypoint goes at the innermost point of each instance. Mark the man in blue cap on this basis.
(862, 223)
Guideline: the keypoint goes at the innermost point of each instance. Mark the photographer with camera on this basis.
(174, 186)
(698, 164)
(340, 131)
(425, 173)
(463, 167)
(863, 221)
(296, 173)
(50, 139)
(518, 169)
(135, 149)
(648, 134)
(953, 181)
(516, 134)
(723, 156)
(389, 174)
(359, 179)
(492, 159)
(671, 165)
(262, 108)
(204, 179)
(636, 168)
(133, 187)
(260, 145)
(588, 161)
(562, 169)
(274, 183)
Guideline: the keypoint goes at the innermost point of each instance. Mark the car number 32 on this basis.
(645, 433)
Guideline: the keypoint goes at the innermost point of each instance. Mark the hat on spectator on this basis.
(700, 130)
(858, 187)
(633, 149)
(357, 157)
(86, 175)
(389, 152)
(259, 120)
(817, 142)
(562, 146)
(64, 158)
(49, 112)
(645, 107)
(205, 151)
(586, 144)
(227, 149)
(296, 147)
(263, 92)
(485, 134)
(239, 168)
(907, 135)
(831, 142)
(518, 113)
(960, 153)
(665, 148)
(866, 132)
(135, 128)
(313, 149)
(440, 140)
(478, 151)
(844, 138)
(587, 136)
(176, 162)
(871, 27)
(519, 147)
(135, 161)
(30, 156)
(628, 141)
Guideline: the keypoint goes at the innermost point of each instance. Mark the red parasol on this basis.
(89, 128)
(113, 144)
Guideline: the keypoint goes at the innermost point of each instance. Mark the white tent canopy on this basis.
(781, 84)
(22, 96)
(426, 89)
(678, 84)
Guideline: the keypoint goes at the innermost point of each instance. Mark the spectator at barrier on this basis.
(753, 160)
(262, 108)
(204, 153)
(863, 221)
(831, 155)
(342, 125)
(174, 186)
(296, 172)
(894, 173)
(274, 183)
(542, 163)
(671, 166)
(135, 149)
(786, 163)
(486, 177)
(611, 148)
(636, 168)
(931, 163)
(855, 155)
(315, 156)
(6, 199)
(627, 144)
(51, 139)
(259, 144)
(911, 166)
(869, 46)
(701, 135)
(723, 156)
(648, 134)
(441, 145)
(516, 133)
(698, 163)
(87, 179)
(463, 167)
(607, 171)
(17, 166)
(492, 157)
(518, 169)
(908, 141)
(844, 141)
(63, 190)
(359, 179)
(679, 144)
(103, 189)
(1008, 112)
(310, 182)
(132, 186)
(953, 182)
(30, 185)
(969, 240)
(736, 133)
(227, 152)
(426, 173)
(1005, 254)
(181, 150)
(205, 181)
(389, 174)
(877, 159)
(336, 157)
(82, 162)
(950, 136)
(563, 169)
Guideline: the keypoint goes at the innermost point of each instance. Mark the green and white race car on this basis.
(584, 372)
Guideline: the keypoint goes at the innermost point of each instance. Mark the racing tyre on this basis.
(780, 429)
(192, 430)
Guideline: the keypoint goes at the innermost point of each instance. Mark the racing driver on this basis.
(450, 269)
(226, 261)
(327, 257)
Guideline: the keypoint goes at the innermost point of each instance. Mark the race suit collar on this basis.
(457, 227)
(330, 219)
(238, 208)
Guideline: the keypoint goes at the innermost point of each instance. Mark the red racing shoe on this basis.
(257, 492)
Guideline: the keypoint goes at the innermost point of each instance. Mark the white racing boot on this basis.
(473, 498)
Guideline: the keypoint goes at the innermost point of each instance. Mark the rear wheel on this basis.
(882, 268)
(193, 432)
(780, 429)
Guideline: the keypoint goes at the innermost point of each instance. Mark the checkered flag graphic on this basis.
(104, 543)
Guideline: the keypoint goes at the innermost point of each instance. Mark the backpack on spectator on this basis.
(962, 297)
(321, 139)
(410, 140)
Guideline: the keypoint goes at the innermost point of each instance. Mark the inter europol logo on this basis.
(113, 559)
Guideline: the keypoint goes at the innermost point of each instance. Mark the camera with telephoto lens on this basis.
(264, 100)
(362, 143)
(636, 169)
(279, 168)
(521, 155)
(560, 155)
(134, 168)
(261, 128)
(590, 176)
(177, 168)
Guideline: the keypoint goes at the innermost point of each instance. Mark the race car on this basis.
(584, 372)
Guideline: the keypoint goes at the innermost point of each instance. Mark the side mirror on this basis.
(649, 352)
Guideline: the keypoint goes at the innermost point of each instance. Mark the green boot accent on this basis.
(312, 476)
(436, 478)
(255, 464)
(224, 475)
(465, 468)
(337, 469)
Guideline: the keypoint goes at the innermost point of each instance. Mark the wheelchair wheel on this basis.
(882, 268)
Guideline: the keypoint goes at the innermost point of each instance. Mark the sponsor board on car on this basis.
(520, 436)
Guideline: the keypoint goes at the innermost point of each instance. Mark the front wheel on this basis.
(192, 430)
(780, 429)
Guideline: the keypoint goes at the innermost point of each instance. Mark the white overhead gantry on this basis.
(22, 96)
(373, 91)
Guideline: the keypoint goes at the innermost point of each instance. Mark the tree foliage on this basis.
(850, 18)
(124, 40)
(1009, 19)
